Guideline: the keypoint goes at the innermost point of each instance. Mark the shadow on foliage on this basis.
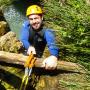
(2, 87)
(9, 78)
(11, 65)
(42, 71)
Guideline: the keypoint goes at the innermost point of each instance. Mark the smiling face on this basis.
(35, 21)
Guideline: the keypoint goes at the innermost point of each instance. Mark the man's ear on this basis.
(42, 17)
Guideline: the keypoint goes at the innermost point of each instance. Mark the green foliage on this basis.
(73, 18)
(5, 2)
(75, 85)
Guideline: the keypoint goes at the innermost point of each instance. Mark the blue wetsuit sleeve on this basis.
(24, 37)
(50, 39)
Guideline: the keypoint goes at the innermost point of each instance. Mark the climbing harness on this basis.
(29, 64)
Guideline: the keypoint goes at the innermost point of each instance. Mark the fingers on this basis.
(49, 67)
(31, 49)
(50, 63)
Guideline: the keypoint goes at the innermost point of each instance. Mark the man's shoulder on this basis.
(47, 30)
(26, 23)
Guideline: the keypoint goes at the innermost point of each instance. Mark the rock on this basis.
(3, 28)
(1, 15)
(10, 43)
(63, 81)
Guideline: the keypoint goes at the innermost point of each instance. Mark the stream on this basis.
(15, 15)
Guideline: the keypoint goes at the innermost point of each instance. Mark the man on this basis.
(34, 37)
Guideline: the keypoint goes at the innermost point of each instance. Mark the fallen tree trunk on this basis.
(20, 59)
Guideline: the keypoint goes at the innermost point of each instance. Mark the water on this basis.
(15, 14)
(14, 19)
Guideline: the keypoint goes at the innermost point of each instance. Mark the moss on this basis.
(4, 3)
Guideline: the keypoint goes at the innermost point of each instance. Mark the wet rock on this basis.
(1, 15)
(10, 43)
(3, 28)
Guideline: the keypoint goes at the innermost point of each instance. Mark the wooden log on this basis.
(20, 59)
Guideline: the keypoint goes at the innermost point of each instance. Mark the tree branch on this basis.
(20, 59)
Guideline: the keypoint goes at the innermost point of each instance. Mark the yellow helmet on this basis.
(33, 9)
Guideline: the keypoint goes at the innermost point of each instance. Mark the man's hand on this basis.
(50, 63)
(31, 49)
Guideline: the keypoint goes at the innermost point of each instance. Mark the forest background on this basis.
(71, 21)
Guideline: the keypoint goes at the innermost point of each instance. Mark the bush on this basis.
(73, 19)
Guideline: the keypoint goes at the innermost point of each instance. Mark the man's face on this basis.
(35, 21)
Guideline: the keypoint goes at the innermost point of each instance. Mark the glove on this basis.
(30, 50)
(50, 63)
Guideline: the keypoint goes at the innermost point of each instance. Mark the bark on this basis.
(15, 58)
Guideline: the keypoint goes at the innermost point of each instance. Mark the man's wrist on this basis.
(54, 56)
